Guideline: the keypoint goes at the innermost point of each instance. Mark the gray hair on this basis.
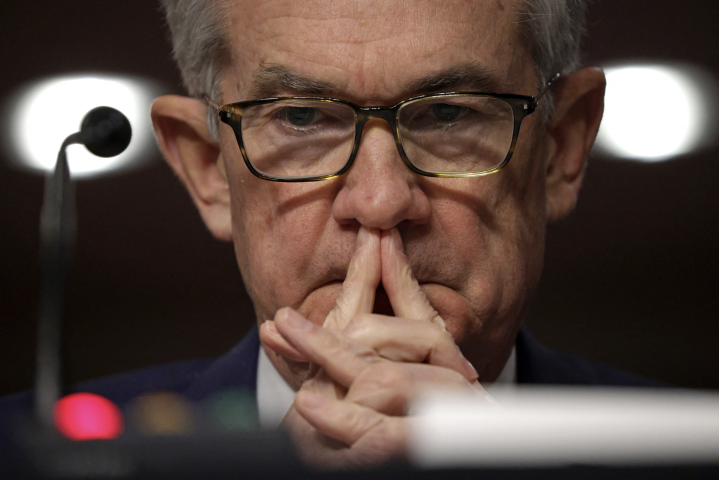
(200, 28)
(199, 31)
(553, 30)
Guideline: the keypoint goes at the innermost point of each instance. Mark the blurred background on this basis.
(630, 278)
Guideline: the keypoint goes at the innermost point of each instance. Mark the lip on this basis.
(422, 283)
(435, 284)
(430, 278)
(432, 282)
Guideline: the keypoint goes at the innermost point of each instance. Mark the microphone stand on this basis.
(58, 226)
(105, 132)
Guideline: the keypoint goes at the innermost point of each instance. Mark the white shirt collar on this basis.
(275, 396)
(508, 375)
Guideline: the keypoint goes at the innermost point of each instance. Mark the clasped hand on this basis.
(365, 368)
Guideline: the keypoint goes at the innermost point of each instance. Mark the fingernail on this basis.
(312, 399)
(470, 368)
(295, 320)
(271, 327)
(397, 238)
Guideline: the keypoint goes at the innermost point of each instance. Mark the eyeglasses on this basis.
(308, 139)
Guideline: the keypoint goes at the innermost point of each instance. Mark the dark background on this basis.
(630, 279)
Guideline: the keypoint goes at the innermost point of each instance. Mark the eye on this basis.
(299, 116)
(448, 113)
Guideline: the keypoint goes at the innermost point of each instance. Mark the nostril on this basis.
(377, 206)
(379, 191)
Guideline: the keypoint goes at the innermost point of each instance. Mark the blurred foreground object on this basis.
(86, 416)
(556, 433)
(555, 427)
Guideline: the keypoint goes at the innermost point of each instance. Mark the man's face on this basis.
(475, 244)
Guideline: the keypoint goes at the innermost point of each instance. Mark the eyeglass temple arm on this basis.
(209, 101)
(552, 79)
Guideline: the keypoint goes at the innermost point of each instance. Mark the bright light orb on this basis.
(50, 110)
(652, 113)
(86, 416)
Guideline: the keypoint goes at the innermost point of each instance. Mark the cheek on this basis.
(498, 232)
(277, 230)
(474, 250)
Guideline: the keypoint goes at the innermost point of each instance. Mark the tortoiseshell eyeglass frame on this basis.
(522, 105)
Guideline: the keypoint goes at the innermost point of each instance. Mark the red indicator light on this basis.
(86, 416)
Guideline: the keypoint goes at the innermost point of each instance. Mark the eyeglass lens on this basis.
(457, 133)
(302, 138)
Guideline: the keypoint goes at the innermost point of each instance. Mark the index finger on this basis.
(407, 298)
(360, 285)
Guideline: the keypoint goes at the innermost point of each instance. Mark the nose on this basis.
(379, 190)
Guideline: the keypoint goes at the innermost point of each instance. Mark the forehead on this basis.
(371, 50)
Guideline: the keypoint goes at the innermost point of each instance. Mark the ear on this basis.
(181, 128)
(578, 108)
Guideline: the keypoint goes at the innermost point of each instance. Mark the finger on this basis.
(271, 337)
(383, 441)
(389, 387)
(341, 357)
(407, 299)
(360, 285)
(404, 340)
(370, 438)
(387, 441)
(338, 419)
(314, 448)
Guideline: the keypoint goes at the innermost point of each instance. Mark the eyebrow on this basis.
(271, 80)
(469, 77)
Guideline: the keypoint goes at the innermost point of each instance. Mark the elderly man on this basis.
(385, 170)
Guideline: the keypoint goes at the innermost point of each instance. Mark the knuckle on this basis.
(439, 321)
(440, 330)
(388, 441)
(386, 376)
(439, 339)
(443, 339)
(329, 352)
(439, 334)
(356, 423)
(358, 325)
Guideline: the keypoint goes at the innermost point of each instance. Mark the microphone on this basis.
(105, 132)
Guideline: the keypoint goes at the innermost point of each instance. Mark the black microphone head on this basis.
(106, 132)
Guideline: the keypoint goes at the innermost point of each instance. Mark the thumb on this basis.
(360, 285)
(408, 300)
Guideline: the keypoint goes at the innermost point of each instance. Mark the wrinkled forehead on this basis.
(375, 50)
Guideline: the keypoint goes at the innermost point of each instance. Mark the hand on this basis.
(367, 367)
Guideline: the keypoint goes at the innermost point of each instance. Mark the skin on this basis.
(409, 276)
